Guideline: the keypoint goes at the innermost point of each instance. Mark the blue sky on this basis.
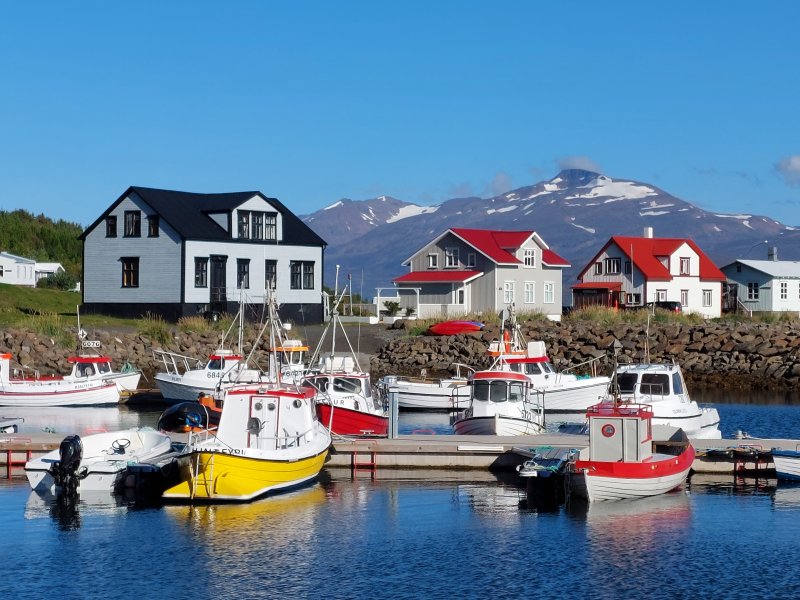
(311, 102)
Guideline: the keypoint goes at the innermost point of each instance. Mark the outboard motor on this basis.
(65, 471)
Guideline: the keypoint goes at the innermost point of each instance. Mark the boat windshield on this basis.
(104, 367)
(347, 385)
(215, 364)
(627, 382)
(655, 384)
(533, 369)
(498, 391)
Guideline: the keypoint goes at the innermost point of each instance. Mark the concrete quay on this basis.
(430, 454)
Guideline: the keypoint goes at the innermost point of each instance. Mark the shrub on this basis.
(59, 281)
(154, 327)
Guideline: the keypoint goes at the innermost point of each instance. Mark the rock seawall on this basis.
(724, 355)
(720, 355)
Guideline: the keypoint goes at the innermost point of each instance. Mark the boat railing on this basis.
(592, 363)
(176, 364)
(285, 441)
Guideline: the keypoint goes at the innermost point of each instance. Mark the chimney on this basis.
(772, 253)
(648, 232)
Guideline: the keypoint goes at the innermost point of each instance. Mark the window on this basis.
(242, 273)
(308, 275)
(244, 224)
(471, 259)
(752, 291)
(152, 226)
(598, 268)
(661, 295)
(549, 292)
(508, 292)
(634, 299)
(684, 297)
(133, 223)
(258, 226)
(685, 265)
(613, 266)
(450, 257)
(130, 271)
(530, 257)
(627, 267)
(784, 290)
(200, 272)
(706, 297)
(111, 226)
(433, 261)
(530, 292)
(458, 296)
(270, 226)
(301, 275)
(270, 273)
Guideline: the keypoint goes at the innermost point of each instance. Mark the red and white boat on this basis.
(55, 390)
(344, 398)
(628, 456)
(501, 403)
(455, 327)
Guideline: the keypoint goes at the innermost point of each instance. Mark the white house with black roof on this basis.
(179, 254)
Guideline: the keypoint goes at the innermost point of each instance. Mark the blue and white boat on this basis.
(787, 464)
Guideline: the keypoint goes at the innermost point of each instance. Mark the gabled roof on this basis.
(438, 277)
(773, 268)
(644, 252)
(188, 213)
(499, 246)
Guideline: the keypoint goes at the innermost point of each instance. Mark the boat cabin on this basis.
(85, 367)
(646, 383)
(492, 386)
(620, 432)
(339, 384)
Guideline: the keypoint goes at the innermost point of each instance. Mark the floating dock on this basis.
(431, 453)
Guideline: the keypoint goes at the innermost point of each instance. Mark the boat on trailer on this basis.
(628, 456)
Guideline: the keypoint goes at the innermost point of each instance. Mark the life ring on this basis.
(608, 430)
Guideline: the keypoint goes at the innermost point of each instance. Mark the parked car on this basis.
(670, 305)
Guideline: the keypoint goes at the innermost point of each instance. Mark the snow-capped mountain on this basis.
(575, 213)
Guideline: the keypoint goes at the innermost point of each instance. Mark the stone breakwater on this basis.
(712, 355)
(721, 355)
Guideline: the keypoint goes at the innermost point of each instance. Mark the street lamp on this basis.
(753, 246)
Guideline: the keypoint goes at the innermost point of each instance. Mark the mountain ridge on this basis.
(575, 213)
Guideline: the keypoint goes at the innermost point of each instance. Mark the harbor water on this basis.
(411, 535)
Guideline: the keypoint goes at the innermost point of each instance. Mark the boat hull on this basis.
(601, 481)
(454, 327)
(174, 390)
(496, 425)
(787, 464)
(57, 393)
(346, 421)
(218, 476)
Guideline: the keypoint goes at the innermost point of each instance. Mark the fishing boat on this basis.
(661, 386)
(787, 464)
(29, 388)
(628, 456)
(269, 439)
(183, 378)
(344, 399)
(561, 392)
(501, 403)
(95, 462)
(454, 327)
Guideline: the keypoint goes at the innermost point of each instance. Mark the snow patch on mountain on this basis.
(501, 210)
(411, 210)
(628, 190)
(589, 229)
(652, 213)
(334, 205)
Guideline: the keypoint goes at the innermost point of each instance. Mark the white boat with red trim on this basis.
(661, 386)
(501, 403)
(23, 389)
(628, 456)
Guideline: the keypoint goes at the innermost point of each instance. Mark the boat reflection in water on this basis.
(68, 511)
(83, 420)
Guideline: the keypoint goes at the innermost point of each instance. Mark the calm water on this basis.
(452, 536)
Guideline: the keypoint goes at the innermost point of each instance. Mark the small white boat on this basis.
(36, 390)
(95, 462)
(90, 365)
(787, 464)
(184, 378)
(628, 456)
(661, 386)
(501, 403)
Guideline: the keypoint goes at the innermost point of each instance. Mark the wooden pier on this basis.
(434, 453)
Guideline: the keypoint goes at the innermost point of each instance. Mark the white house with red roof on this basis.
(466, 271)
(634, 271)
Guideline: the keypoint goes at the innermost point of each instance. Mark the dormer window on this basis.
(530, 258)
(244, 224)
(685, 266)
